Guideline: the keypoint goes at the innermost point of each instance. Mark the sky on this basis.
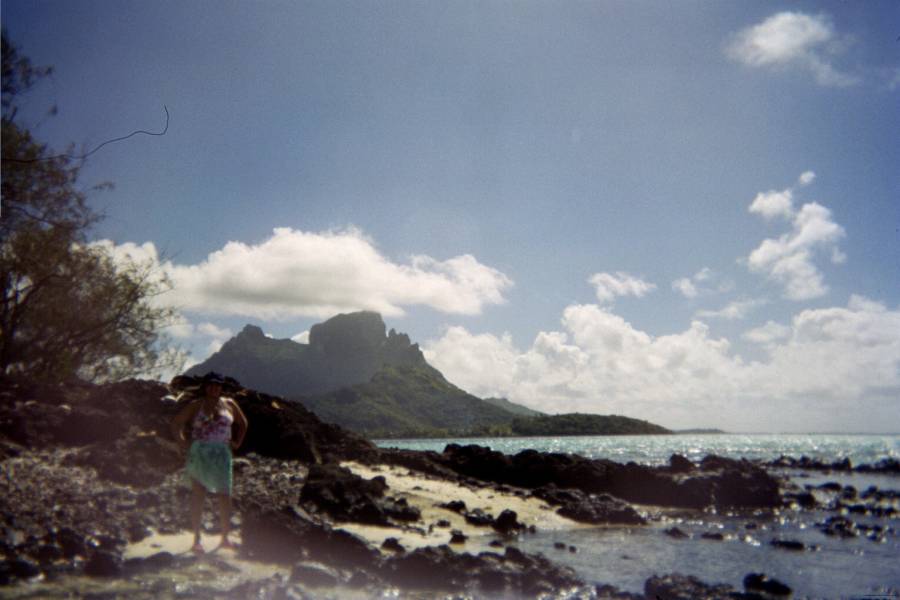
(686, 212)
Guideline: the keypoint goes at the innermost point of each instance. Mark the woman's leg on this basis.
(198, 495)
(225, 517)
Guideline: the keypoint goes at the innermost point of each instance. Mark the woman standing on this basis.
(217, 426)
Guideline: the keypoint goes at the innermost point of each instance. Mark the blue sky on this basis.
(686, 213)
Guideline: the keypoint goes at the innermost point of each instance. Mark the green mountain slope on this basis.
(404, 401)
(516, 409)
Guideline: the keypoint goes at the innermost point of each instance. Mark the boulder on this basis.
(589, 508)
(679, 464)
(681, 587)
(104, 563)
(286, 534)
(345, 496)
(512, 574)
(759, 582)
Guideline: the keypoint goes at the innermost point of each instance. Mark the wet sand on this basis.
(426, 493)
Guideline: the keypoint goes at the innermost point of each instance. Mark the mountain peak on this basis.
(347, 349)
(251, 331)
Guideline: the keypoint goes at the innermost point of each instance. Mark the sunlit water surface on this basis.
(627, 556)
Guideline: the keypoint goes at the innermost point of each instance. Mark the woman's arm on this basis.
(181, 419)
(240, 424)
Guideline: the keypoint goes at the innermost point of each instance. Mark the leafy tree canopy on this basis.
(68, 308)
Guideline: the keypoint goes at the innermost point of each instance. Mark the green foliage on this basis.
(68, 308)
(583, 424)
(516, 409)
(408, 401)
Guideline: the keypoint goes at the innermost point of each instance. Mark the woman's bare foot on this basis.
(228, 544)
(197, 548)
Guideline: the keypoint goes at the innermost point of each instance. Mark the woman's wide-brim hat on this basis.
(213, 377)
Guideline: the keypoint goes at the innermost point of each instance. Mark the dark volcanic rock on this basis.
(804, 499)
(679, 464)
(346, 496)
(675, 532)
(507, 523)
(759, 582)
(286, 534)
(18, 568)
(885, 465)
(479, 518)
(391, 544)
(513, 573)
(104, 563)
(681, 587)
(457, 506)
(719, 482)
(806, 463)
(589, 508)
(788, 545)
(138, 459)
(458, 537)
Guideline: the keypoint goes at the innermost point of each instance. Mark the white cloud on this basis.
(295, 273)
(767, 334)
(773, 204)
(302, 337)
(180, 328)
(831, 369)
(736, 310)
(789, 259)
(609, 285)
(690, 287)
(806, 178)
(703, 274)
(214, 331)
(792, 40)
(686, 287)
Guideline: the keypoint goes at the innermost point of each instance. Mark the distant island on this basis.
(584, 424)
(697, 431)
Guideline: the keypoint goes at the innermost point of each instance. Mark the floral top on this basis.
(215, 427)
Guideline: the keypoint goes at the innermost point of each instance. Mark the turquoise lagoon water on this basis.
(656, 449)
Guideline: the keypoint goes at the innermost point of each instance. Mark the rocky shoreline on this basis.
(86, 475)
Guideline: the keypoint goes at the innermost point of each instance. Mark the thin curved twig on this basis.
(85, 155)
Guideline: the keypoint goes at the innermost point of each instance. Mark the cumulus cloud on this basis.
(830, 369)
(769, 333)
(610, 285)
(806, 178)
(686, 287)
(296, 273)
(773, 204)
(737, 310)
(690, 287)
(789, 258)
(792, 40)
(302, 337)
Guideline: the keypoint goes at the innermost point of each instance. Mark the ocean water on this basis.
(656, 449)
(830, 567)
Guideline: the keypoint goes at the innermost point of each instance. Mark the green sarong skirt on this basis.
(209, 464)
